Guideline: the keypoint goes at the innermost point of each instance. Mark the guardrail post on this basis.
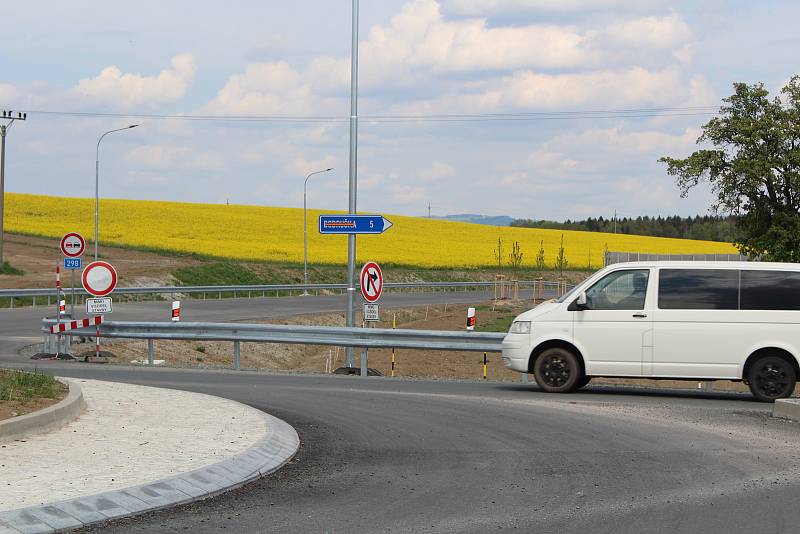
(236, 355)
(523, 378)
(364, 356)
(150, 351)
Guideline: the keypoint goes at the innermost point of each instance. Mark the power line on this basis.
(478, 117)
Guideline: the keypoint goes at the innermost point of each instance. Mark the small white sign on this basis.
(371, 312)
(98, 306)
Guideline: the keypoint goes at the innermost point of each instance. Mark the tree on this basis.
(498, 254)
(753, 168)
(561, 258)
(515, 257)
(540, 265)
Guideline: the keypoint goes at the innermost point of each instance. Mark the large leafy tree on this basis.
(752, 164)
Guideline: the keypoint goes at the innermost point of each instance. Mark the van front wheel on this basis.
(557, 370)
(771, 378)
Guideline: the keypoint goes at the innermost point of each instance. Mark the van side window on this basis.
(770, 290)
(698, 289)
(620, 290)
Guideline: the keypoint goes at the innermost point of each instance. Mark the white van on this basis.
(677, 320)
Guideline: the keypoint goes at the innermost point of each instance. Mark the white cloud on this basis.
(274, 88)
(405, 194)
(486, 7)
(420, 37)
(8, 93)
(650, 32)
(301, 166)
(606, 89)
(172, 157)
(116, 89)
(437, 171)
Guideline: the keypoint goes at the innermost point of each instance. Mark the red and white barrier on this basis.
(75, 325)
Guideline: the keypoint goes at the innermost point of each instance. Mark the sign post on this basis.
(350, 225)
(72, 246)
(99, 279)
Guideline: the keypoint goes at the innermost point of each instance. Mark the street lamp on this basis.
(97, 183)
(305, 229)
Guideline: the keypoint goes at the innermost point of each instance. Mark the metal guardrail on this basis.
(509, 287)
(238, 333)
(295, 334)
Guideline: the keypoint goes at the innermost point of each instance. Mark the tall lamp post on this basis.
(305, 229)
(97, 183)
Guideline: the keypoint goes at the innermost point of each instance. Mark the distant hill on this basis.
(490, 220)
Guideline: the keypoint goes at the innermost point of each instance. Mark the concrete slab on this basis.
(787, 409)
(276, 445)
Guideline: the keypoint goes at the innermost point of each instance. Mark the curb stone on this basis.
(49, 418)
(264, 457)
(787, 409)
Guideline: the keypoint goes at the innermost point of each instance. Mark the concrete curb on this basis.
(266, 456)
(54, 416)
(787, 409)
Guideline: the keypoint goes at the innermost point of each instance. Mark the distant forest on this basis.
(706, 227)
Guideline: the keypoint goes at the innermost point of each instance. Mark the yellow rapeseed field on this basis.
(276, 234)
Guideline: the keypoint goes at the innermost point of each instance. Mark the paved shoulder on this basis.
(135, 449)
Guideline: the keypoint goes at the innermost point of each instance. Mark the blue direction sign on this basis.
(353, 224)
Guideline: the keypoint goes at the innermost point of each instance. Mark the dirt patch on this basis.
(38, 257)
(313, 358)
(18, 399)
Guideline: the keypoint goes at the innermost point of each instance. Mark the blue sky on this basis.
(418, 57)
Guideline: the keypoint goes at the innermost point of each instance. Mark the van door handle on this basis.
(640, 315)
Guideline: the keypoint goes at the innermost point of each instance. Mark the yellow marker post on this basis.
(484, 365)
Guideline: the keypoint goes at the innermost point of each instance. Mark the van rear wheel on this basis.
(771, 378)
(557, 370)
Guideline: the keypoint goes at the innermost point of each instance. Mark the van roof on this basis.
(750, 265)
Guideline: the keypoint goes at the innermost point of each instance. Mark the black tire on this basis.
(557, 370)
(771, 378)
(584, 381)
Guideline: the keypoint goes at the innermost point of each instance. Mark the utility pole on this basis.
(353, 175)
(615, 221)
(429, 210)
(10, 116)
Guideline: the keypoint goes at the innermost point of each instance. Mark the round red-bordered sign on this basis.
(371, 281)
(73, 245)
(99, 278)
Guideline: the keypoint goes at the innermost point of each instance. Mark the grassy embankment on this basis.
(23, 391)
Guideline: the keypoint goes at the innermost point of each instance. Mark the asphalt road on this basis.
(427, 456)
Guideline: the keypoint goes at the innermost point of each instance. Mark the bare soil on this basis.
(9, 409)
(38, 257)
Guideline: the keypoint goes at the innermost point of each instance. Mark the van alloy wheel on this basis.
(771, 378)
(557, 370)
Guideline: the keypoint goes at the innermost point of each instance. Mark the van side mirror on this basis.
(579, 303)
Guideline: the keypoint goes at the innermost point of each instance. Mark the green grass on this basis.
(7, 268)
(21, 386)
(500, 324)
(217, 274)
